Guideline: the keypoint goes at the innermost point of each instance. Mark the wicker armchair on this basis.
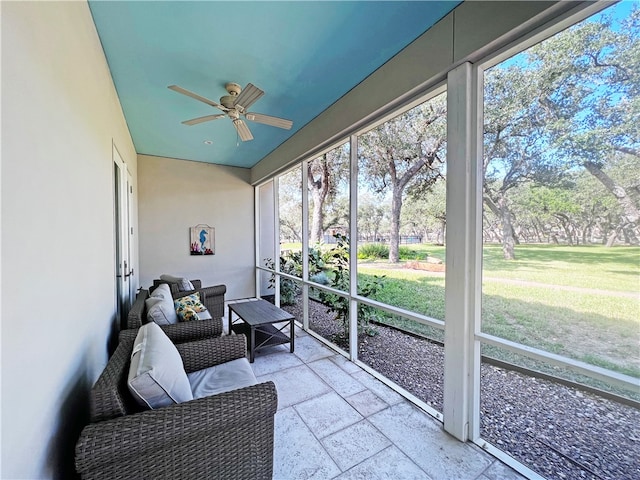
(179, 332)
(225, 436)
(213, 296)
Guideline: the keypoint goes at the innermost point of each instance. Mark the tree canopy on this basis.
(561, 156)
(404, 155)
(565, 105)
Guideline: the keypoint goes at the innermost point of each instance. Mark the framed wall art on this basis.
(202, 240)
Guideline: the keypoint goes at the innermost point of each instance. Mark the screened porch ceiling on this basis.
(304, 55)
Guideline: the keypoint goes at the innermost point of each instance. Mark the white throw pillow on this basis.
(184, 285)
(161, 311)
(156, 376)
(162, 291)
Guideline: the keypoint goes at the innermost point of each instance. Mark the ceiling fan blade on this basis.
(195, 121)
(248, 96)
(181, 90)
(243, 130)
(269, 120)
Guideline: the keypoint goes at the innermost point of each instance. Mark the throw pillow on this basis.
(163, 291)
(187, 314)
(184, 285)
(161, 311)
(192, 301)
(156, 376)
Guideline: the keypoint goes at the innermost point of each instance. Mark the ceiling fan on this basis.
(234, 106)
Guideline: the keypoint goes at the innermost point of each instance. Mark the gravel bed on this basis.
(557, 431)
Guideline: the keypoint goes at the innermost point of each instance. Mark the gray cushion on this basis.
(161, 311)
(222, 378)
(156, 376)
(184, 285)
(161, 291)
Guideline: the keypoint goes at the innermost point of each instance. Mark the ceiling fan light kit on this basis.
(235, 105)
(227, 101)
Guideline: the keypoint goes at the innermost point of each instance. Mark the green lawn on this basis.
(580, 302)
(593, 266)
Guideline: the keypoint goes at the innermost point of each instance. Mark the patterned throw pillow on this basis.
(191, 302)
(188, 314)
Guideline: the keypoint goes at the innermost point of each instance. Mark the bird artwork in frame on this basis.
(202, 240)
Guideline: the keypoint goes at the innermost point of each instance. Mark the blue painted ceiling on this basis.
(305, 55)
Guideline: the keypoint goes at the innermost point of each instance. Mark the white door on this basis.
(125, 290)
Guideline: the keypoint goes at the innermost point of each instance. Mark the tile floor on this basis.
(335, 421)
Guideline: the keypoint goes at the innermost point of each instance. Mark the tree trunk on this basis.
(394, 235)
(605, 226)
(317, 218)
(630, 236)
(539, 229)
(585, 234)
(566, 226)
(319, 188)
(508, 242)
(501, 210)
(626, 201)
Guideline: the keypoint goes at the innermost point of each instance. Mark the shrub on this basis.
(321, 278)
(373, 250)
(338, 304)
(406, 253)
(288, 288)
(291, 263)
(317, 261)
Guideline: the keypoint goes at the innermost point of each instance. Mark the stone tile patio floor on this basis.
(336, 421)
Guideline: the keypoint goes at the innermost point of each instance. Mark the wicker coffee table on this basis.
(256, 321)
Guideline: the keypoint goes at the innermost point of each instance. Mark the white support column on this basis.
(463, 254)
(305, 245)
(256, 237)
(265, 233)
(276, 237)
(305, 306)
(353, 246)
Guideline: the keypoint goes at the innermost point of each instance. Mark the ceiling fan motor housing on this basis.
(233, 88)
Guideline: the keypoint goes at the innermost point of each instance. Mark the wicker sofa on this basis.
(224, 436)
(182, 331)
(214, 296)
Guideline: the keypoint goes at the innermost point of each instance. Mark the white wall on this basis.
(175, 195)
(60, 114)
